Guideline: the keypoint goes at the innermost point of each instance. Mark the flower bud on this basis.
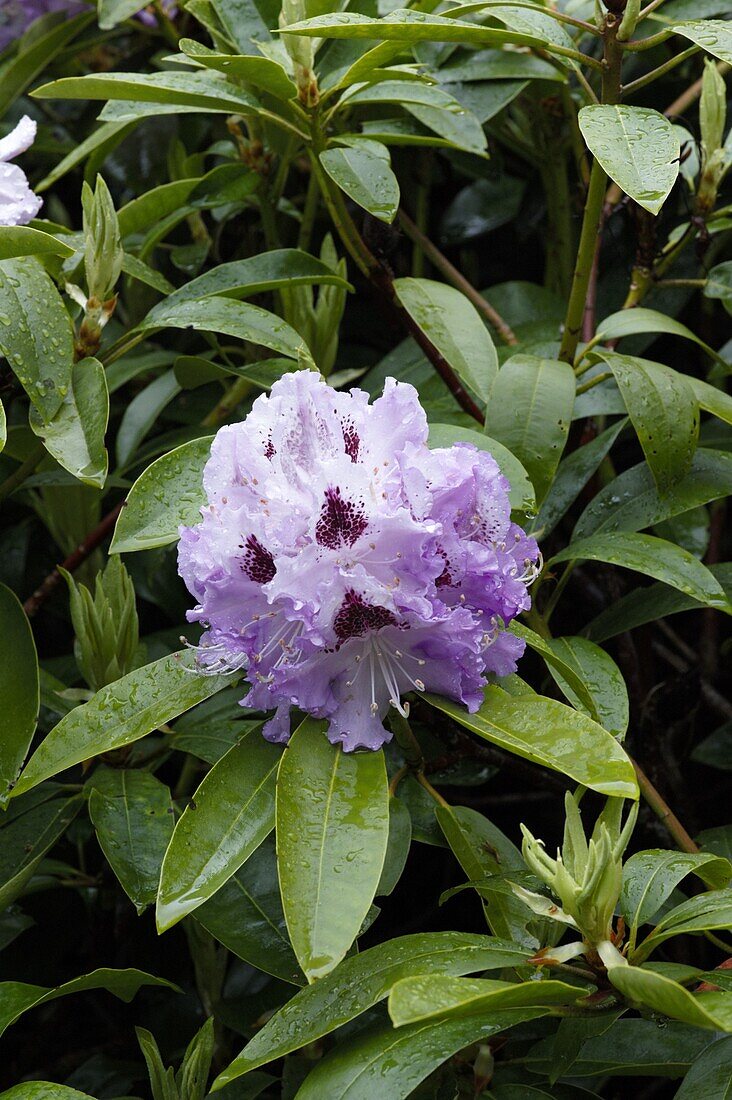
(103, 254)
(629, 20)
(302, 52)
(712, 108)
(105, 625)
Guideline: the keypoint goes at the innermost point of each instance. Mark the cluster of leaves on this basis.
(230, 215)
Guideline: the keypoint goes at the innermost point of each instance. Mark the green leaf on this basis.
(366, 177)
(229, 317)
(664, 412)
(363, 980)
(332, 833)
(521, 493)
(650, 877)
(718, 284)
(630, 1048)
(699, 914)
(27, 838)
(20, 698)
(427, 996)
(204, 91)
(632, 500)
(121, 713)
(645, 605)
(388, 1062)
(35, 333)
(713, 35)
(637, 147)
(572, 475)
(482, 851)
(133, 817)
(229, 816)
(142, 412)
(632, 322)
(460, 126)
(397, 851)
(20, 71)
(601, 678)
(44, 1090)
(246, 916)
(260, 72)
(407, 26)
(709, 1076)
(655, 558)
(529, 411)
(21, 240)
(671, 999)
(551, 734)
(17, 997)
(454, 326)
(281, 269)
(712, 400)
(75, 433)
(167, 494)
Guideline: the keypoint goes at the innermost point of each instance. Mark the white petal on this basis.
(18, 204)
(19, 139)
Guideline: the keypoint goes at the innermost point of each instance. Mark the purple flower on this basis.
(17, 15)
(18, 204)
(342, 563)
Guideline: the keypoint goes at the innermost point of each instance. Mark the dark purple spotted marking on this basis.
(351, 439)
(258, 563)
(341, 522)
(445, 577)
(269, 449)
(356, 617)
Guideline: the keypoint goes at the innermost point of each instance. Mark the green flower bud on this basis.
(301, 50)
(712, 109)
(105, 625)
(103, 254)
(629, 20)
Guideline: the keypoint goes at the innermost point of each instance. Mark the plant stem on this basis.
(456, 279)
(593, 382)
(221, 411)
(23, 471)
(406, 740)
(664, 813)
(641, 44)
(642, 81)
(594, 202)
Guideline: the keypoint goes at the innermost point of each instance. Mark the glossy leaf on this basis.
(204, 91)
(454, 326)
(712, 399)
(630, 1048)
(653, 556)
(230, 814)
(521, 493)
(75, 434)
(600, 677)
(142, 412)
(260, 72)
(551, 734)
(119, 714)
(19, 689)
(709, 1076)
(167, 494)
(246, 916)
(699, 914)
(132, 813)
(397, 849)
(663, 995)
(366, 177)
(35, 333)
(664, 412)
(362, 981)
(713, 35)
(424, 997)
(638, 321)
(332, 833)
(382, 1058)
(650, 877)
(27, 838)
(529, 411)
(20, 71)
(22, 240)
(632, 501)
(483, 851)
(17, 997)
(637, 147)
(44, 1090)
(572, 475)
(407, 26)
(231, 318)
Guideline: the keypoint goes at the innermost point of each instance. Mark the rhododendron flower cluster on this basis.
(342, 563)
(18, 204)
